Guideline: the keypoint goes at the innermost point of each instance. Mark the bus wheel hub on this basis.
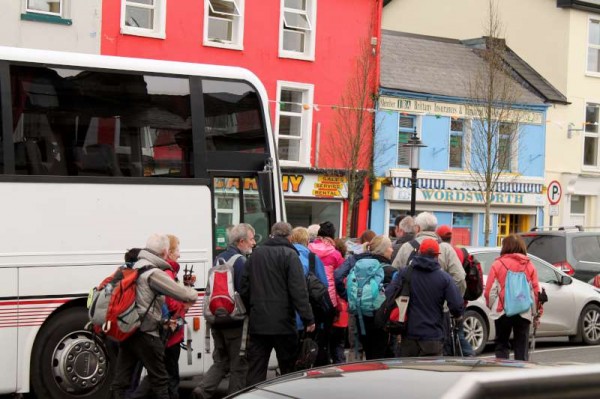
(79, 364)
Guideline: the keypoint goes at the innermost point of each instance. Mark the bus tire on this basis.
(67, 362)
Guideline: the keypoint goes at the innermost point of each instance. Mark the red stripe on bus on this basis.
(34, 302)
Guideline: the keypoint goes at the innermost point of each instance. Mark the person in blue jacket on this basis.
(430, 287)
(300, 238)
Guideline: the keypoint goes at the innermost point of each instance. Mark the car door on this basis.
(559, 316)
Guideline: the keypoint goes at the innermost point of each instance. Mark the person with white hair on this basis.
(313, 232)
(146, 344)
(425, 225)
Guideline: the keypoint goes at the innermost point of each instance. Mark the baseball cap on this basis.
(429, 247)
(444, 231)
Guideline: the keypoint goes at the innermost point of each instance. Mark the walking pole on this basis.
(542, 299)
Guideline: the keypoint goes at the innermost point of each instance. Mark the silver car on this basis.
(573, 307)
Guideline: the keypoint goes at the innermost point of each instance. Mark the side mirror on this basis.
(265, 190)
(565, 280)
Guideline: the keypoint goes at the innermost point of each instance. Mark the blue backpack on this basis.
(517, 293)
(365, 289)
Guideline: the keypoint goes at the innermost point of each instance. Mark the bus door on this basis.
(240, 200)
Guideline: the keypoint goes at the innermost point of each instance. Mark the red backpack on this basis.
(112, 306)
(473, 276)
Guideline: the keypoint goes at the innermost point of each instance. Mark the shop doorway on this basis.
(510, 224)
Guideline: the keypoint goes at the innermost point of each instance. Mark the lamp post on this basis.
(414, 145)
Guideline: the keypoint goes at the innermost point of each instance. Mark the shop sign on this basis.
(412, 105)
(294, 185)
(464, 197)
(465, 185)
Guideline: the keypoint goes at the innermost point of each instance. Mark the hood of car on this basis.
(418, 378)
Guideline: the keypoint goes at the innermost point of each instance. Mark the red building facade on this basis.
(305, 53)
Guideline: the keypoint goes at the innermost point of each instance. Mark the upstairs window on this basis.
(297, 34)
(457, 136)
(507, 134)
(224, 23)
(294, 123)
(49, 7)
(593, 57)
(407, 126)
(143, 18)
(590, 138)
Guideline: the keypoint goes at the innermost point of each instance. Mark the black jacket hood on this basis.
(279, 242)
(425, 263)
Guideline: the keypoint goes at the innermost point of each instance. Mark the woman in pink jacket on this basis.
(324, 247)
(513, 257)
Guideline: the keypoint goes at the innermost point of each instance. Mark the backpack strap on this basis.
(415, 244)
(311, 262)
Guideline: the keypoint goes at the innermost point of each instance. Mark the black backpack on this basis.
(473, 276)
(318, 295)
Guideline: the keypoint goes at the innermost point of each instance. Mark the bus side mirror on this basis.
(265, 189)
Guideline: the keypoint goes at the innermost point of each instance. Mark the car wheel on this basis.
(67, 363)
(476, 330)
(589, 324)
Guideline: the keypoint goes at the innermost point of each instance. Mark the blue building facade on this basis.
(445, 186)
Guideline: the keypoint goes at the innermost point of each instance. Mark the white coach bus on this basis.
(97, 153)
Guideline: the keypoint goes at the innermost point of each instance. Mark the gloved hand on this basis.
(458, 322)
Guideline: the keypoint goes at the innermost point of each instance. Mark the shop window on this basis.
(462, 224)
(297, 32)
(407, 125)
(144, 18)
(456, 143)
(224, 23)
(578, 209)
(304, 213)
(293, 122)
(590, 137)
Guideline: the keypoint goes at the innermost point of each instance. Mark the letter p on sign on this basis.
(554, 192)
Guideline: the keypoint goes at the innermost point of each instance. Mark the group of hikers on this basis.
(302, 294)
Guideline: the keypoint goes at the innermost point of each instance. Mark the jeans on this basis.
(414, 348)
(172, 365)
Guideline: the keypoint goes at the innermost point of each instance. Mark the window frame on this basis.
(310, 34)
(513, 142)
(237, 39)
(461, 134)
(416, 128)
(595, 135)
(307, 116)
(591, 19)
(59, 14)
(159, 19)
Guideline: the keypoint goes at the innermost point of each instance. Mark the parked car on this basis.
(574, 251)
(428, 378)
(573, 307)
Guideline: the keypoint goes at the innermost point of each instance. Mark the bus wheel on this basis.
(67, 362)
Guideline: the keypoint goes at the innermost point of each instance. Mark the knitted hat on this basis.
(429, 247)
(444, 231)
(327, 229)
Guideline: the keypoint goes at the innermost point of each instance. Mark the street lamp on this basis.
(414, 145)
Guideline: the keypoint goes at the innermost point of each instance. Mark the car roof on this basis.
(404, 377)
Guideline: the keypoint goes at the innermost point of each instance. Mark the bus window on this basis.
(233, 117)
(1, 135)
(89, 123)
(253, 212)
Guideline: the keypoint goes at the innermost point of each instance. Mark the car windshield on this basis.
(550, 248)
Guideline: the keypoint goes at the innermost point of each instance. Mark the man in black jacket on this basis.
(273, 289)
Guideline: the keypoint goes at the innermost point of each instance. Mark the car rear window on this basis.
(586, 248)
(550, 248)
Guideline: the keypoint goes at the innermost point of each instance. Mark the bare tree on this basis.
(493, 93)
(349, 147)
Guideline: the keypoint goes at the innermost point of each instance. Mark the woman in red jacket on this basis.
(513, 257)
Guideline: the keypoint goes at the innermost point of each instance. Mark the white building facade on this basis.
(62, 25)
